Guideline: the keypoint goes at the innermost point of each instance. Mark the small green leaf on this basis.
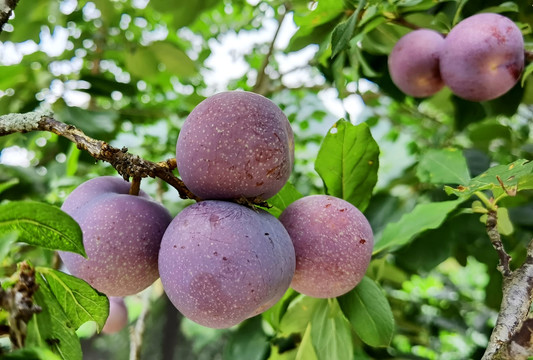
(342, 34)
(505, 226)
(7, 184)
(72, 160)
(79, 301)
(330, 332)
(423, 217)
(515, 177)
(443, 166)
(42, 225)
(525, 75)
(174, 59)
(6, 239)
(276, 312)
(51, 328)
(306, 350)
(369, 312)
(286, 196)
(141, 63)
(348, 163)
(299, 314)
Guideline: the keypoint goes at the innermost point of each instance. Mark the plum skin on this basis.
(333, 242)
(221, 263)
(414, 63)
(118, 316)
(121, 236)
(482, 57)
(235, 144)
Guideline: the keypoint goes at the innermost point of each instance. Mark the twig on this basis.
(261, 75)
(495, 239)
(127, 165)
(135, 186)
(6, 8)
(137, 330)
(18, 302)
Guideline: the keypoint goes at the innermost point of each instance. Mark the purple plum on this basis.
(482, 57)
(118, 316)
(221, 263)
(333, 242)
(235, 144)
(121, 235)
(414, 63)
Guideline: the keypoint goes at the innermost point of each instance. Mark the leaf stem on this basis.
(486, 201)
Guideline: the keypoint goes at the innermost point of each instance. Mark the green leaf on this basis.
(42, 225)
(30, 353)
(330, 332)
(72, 160)
(174, 59)
(299, 314)
(342, 34)
(79, 301)
(7, 184)
(443, 166)
(276, 312)
(306, 350)
(6, 239)
(348, 163)
(423, 217)
(527, 71)
(516, 176)
(248, 342)
(369, 312)
(51, 328)
(508, 6)
(286, 196)
(141, 63)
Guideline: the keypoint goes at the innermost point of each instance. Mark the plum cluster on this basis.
(480, 59)
(220, 262)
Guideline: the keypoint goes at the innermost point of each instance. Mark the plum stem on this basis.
(135, 186)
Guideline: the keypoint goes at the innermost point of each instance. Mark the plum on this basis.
(235, 144)
(121, 235)
(414, 63)
(221, 263)
(333, 243)
(118, 316)
(482, 57)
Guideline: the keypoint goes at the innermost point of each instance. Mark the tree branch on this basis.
(6, 8)
(126, 164)
(511, 338)
(495, 239)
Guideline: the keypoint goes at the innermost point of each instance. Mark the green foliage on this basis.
(79, 301)
(369, 312)
(348, 163)
(130, 72)
(42, 225)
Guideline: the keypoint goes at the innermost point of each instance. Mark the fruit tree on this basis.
(266, 180)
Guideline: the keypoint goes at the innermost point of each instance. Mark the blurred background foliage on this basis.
(129, 71)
